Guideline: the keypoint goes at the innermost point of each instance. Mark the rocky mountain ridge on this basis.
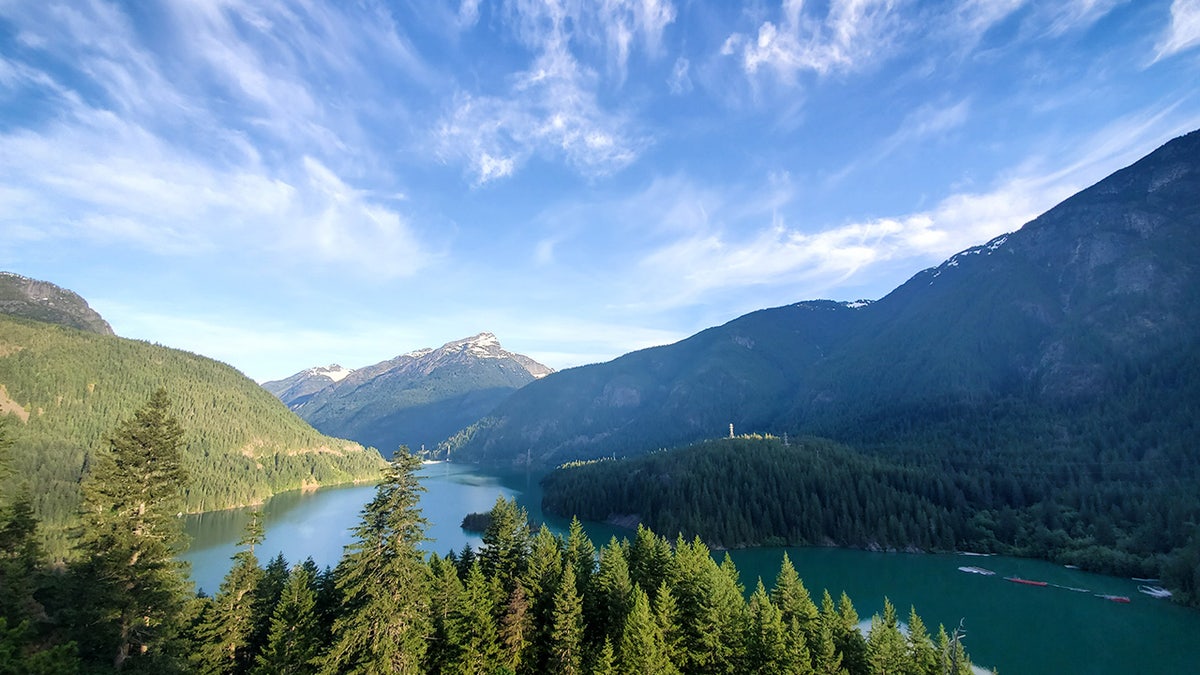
(417, 398)
(43, 301)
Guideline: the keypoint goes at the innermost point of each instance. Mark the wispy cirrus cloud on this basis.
(969, 21)
(128, 146)
(1184, 31)
(552, 107)
(927, 122)
(1062, 17)
(773, 246)
(99, 178)
(551, 110)
(972, 19)
(856, 35)
(853, 34)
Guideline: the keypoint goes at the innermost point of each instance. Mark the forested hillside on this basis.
(63, 391)
(1113, 516)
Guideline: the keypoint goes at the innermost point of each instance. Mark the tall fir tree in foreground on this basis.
(384, 581)
(131, 589)
(294, 640)
(230, 619)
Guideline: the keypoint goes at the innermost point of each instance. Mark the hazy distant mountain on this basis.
(1093, 301)
(300, 387)
(43, 301)
(416, 399)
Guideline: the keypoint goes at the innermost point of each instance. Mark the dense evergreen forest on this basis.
(526, 602)
(63, 391)
(1109, 516)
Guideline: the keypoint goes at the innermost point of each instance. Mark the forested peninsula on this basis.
(762, 490)
(525, 603)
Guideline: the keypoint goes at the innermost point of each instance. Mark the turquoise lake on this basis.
(1014, 628)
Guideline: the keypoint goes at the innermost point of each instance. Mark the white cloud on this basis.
(691, 268)
(552, 108)
(854, 34)
(620, 21)
(926, 122)
(1075, 14)
(1184, 31)
(970, 20)
(726, 251)
(100, 178)
(468, 13)
(680, 81)
(142, 156)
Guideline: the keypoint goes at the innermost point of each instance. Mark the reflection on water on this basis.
(1015, 628)
(318, 524)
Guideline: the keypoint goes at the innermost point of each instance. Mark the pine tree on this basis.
(921, 655)
(329, 600)
(384, 582)
(605, 662)
(643, 649)
(505, 549)
(473, 628)
(580, 553)
(849, 641)
(794, 600)
(515, 629)
(798, 657)
(666, 615)
(131, 590)
(230, 619)
(766, 648)
(887, 652)
(649, 560)
(952, 658)
(710, 603)
(543, 573)
(614, 593)
(294, 639)
(21, 560)
(266, 598)
(729, 611)
(21, 563)
(827, 660)
(445, 595)
(566, 635)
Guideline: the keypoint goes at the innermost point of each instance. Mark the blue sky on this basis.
(285, 184)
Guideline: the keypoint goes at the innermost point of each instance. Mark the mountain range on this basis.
(1089, 304)
(416, 399)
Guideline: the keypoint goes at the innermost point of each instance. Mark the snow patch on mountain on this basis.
(333, 371)
(985, 249)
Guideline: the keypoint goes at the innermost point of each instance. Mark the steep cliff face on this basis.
(43, 301)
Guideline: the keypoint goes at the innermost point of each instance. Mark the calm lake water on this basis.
(1017, 629)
